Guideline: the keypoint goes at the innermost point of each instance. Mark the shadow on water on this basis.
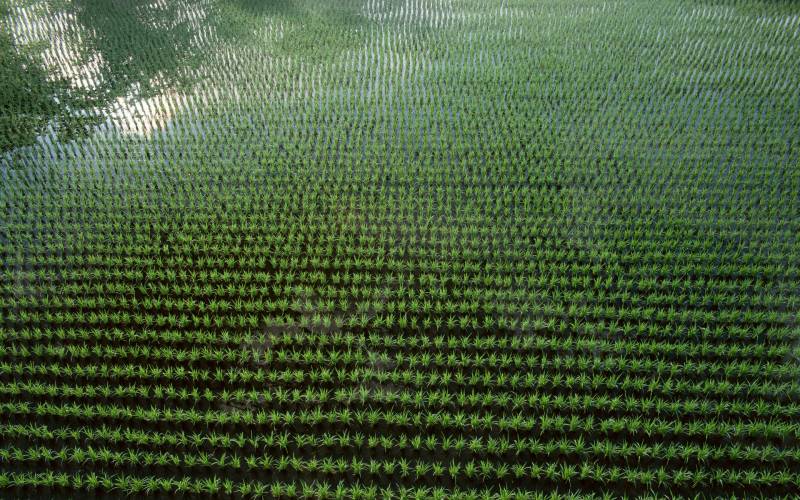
(29, 98)
(148, 47)
(144, 49)
(309, 30)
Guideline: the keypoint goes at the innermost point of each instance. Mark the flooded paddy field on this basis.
(399, 248)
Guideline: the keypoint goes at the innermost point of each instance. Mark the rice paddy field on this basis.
(399, 249)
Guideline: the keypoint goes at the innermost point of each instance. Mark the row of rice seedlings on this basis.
(362, 391)
(329, 467)
(332, 444)
(445, 421)
(128, 484)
